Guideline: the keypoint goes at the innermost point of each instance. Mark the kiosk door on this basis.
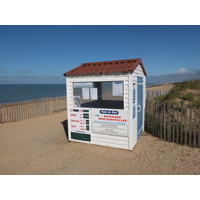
(140, 106)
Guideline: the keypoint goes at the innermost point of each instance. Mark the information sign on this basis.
(110, 122)
(79, 121)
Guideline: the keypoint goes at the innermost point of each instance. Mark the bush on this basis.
(196, 103)
(188, 96)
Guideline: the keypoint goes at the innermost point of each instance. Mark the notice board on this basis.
(110, 122)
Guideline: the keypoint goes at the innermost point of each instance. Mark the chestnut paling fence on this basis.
(178, 123)
(29, 109)
(151, 94)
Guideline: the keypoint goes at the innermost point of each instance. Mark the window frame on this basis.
(102, 81)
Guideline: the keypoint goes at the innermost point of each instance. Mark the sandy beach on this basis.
(39, 146)
(167, 86)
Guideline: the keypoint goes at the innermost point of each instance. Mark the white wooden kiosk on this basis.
(106, 103)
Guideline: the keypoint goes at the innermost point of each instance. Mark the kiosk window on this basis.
(109, 94)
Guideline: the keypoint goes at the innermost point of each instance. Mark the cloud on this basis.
(3, 71)
(180, 71)
(179, 76)
(23, 71)
(26, 78)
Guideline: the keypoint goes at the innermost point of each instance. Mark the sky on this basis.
(41, 54)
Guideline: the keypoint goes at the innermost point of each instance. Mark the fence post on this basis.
(194, 127)
(199, 129)
(181, 123)
(190, 126)
(173, 127)
(177, 125)
(161, 120)
(168, 123)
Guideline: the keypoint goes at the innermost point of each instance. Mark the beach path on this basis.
(40, 146)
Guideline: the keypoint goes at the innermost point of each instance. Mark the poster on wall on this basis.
(117, 88)
(110, 122)
(94, 93)
(86, 93)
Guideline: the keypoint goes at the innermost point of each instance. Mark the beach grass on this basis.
(187, 90)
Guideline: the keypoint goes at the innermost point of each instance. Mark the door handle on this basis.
(139, 108)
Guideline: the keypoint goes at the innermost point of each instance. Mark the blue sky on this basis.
(41, 54)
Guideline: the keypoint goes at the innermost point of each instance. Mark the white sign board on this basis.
(93, 93)
(117, 88)
(78, 122)
(111, 122)
(86, 93)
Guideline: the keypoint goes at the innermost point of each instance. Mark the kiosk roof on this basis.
(106, 67)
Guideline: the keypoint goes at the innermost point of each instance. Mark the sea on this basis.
(18, 93)
(26, 92)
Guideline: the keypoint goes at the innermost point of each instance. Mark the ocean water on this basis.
(17, 93)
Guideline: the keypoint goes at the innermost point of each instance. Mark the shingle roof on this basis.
(106, 67)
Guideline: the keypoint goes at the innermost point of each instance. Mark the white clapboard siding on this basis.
(110, 144)
(110, 141)
(110, 137)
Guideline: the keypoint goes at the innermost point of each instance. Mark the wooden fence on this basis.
(173, 123)
(151, 94)
(29, 109)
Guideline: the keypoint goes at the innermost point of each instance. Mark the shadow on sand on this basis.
(65, 127)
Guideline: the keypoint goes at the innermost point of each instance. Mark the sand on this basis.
(167, 86)
(39, 146)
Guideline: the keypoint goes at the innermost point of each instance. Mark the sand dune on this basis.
(40, 146)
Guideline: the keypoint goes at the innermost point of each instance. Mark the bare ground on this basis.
(40, 146)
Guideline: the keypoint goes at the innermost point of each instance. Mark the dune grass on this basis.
(187, 90)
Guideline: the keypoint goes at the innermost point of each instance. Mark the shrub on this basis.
(188, 96)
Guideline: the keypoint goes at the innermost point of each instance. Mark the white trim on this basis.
(68, 108)
(130, 127)
(98, 79)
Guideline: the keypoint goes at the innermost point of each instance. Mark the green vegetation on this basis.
(187, 90)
